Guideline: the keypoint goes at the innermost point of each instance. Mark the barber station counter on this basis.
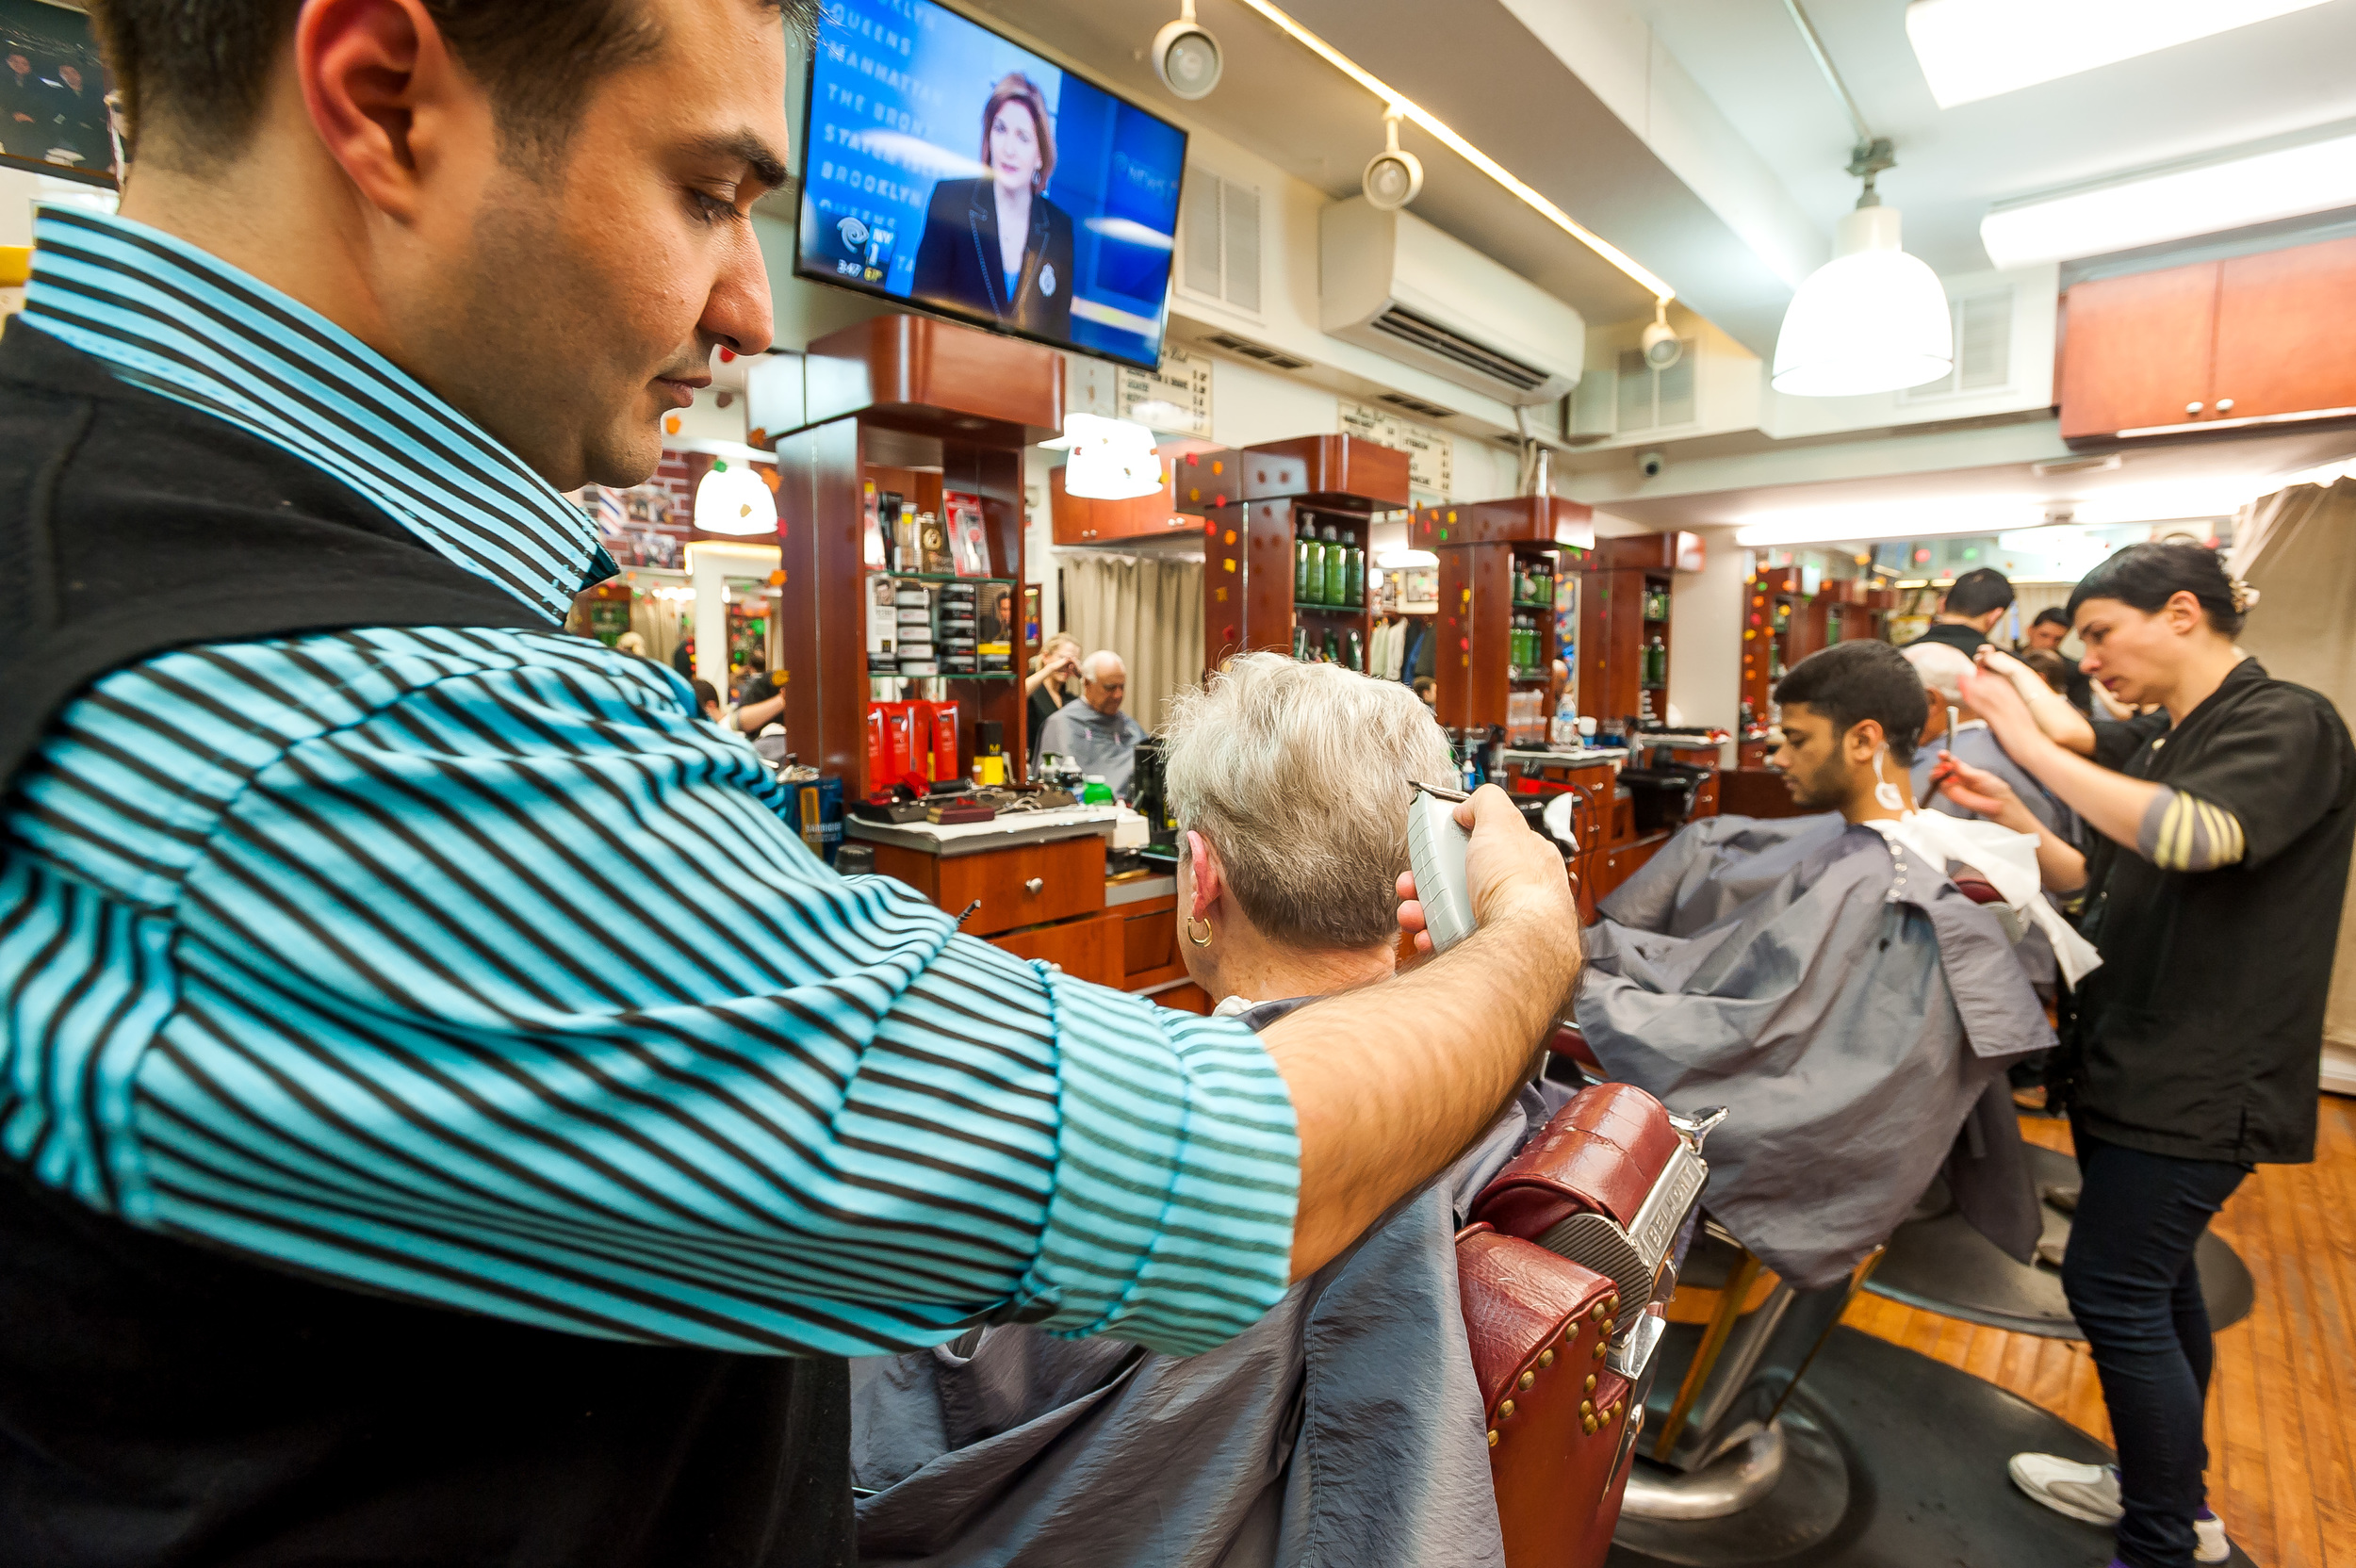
(1611, 846)
(1040, 882)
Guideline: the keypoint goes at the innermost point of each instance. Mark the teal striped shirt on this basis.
(471, 967)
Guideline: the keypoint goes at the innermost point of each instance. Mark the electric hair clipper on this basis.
(1435, 849)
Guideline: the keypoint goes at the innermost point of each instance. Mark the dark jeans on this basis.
(2135, 1290)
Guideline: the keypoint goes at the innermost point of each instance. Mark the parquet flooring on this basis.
(2282, 1413)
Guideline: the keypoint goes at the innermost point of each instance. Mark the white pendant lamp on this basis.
(1873, 319)
(1112, 460)
(731, 499)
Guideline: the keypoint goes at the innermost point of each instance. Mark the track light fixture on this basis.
(1186, 55)
(1393, 177)
(1661, 347)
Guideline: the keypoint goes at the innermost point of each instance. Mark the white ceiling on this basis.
(2270, 79)
(2200, 472)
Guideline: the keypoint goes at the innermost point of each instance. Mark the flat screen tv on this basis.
(951, 167)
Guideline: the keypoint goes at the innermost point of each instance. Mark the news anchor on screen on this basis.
(997, 246)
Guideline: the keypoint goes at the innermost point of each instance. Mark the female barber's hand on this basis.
(1993, 698)
(1516, 875)
(1980, 793)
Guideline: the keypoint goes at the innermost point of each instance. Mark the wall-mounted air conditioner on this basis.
(1392, 282)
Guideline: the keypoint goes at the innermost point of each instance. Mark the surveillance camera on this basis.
(1662, 347)
(1393, 178)
(1186, 57)
(1651, 464)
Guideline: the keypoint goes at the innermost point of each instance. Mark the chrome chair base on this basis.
(1728, 1484)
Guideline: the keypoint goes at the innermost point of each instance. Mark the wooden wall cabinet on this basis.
(1247, 567)
(1483, 547)
(2219, 343)
(1624, 636)
(918, 406)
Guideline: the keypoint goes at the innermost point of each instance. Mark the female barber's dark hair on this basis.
(197, 70)
(1851, 682)
(2145, 576)
(2053, 614)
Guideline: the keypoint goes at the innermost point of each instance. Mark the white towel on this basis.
(2008, 862)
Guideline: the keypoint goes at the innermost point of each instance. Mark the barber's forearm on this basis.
(2110, 803)
(1391, 1083)
(2063, 725)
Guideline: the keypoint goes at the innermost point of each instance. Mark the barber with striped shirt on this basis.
(397, 1163)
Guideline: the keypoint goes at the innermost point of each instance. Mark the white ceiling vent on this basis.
(1221, 220)
(1983, 325)
(1250, 350)
(1390, 282)
(1655, 399)
(1415, 405)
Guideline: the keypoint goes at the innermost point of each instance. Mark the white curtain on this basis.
(1149, 612)
(2297, 548)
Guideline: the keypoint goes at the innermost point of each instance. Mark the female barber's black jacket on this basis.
(2202, 1035)
(958, 268)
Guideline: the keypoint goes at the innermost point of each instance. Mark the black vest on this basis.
(165, 1403)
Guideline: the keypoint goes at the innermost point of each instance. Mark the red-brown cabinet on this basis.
(2266, 336)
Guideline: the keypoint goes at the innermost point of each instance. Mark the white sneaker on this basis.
(2208, 1538)
(2087, 1492)
(2091, 1493)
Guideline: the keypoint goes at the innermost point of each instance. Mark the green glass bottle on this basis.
(1336, 567)
(1308, 564)
(1354, 595)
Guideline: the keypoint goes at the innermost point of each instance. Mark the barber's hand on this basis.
(1993, 698)
(1063, 664)
(1979, 791)
(1516, 875)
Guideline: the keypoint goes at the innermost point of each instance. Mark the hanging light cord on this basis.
(1872, 154)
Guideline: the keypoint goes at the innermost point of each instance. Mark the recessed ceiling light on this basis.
(2217, 193)
(1974, 49)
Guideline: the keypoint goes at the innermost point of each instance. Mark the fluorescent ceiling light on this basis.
(1974, 49)
(1401, 560)
(2173, 203)
(1895, 520)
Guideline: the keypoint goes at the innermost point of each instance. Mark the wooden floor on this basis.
(2282, 1416)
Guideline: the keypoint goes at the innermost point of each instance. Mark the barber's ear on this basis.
(1206, 875)
(385, 94)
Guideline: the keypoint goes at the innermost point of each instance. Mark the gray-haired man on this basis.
(1092, 729)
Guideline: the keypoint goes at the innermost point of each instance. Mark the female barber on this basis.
(1053, 680)
(2220, 827)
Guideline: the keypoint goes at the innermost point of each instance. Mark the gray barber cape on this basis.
(1851, 1007)
(1344, 1427)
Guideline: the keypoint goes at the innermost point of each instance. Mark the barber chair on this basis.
(1564, 1274)
(1718, 1435)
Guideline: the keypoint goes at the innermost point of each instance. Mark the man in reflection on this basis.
(1092, 730)
(1975, 603)
(996, 247)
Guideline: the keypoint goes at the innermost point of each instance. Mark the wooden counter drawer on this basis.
(1024, 885)
(1086, 948)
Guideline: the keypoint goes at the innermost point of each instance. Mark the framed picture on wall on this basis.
(56, 100)
(1030, 614)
